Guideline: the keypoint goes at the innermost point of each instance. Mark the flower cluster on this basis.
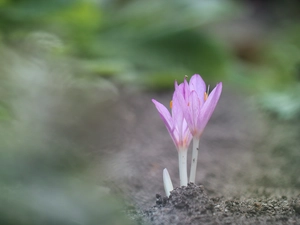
(191, 108)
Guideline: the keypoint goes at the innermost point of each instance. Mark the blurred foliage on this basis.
(285, 105)
(274, 77)
(42, 188)
(283, 60)
(150, 38)
(45, 168)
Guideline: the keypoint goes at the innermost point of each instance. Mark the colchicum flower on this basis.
(198, 106)
(179, 132)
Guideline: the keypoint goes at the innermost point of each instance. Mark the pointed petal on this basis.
(187, 136)
(193, 112)
(209, 107)
(175, 84)
(179, 89)
(177, 115)
(179, 94)
(164, 113)
(182, 101)
(186, 89)
(198, 84)
(167, 119)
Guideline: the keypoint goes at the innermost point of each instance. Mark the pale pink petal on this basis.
(180, 94)
(182, 89)
(176, 84)
(187, 136)
(164, 113)
(198, 84)
(209, 107)
(179, 90)
(192, 114)
(186, 89)
(177, 115)
(166, 117)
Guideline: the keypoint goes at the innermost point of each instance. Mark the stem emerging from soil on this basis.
(193, 171)
(182, 158)
(167, 182)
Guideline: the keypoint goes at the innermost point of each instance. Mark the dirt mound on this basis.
(192, 205)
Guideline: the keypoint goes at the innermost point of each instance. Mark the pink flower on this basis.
(175, 123)
(192, 108)
(196, 104)
(179, 132)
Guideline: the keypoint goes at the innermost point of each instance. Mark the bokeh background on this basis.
(65, 63)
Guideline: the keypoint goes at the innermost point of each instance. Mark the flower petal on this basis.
(187, 135)
(186, 89)
(198, 84)
(166, 117)
(209, 107)
(177, 115)
(193, 112)
(182, 89)
(175, 84)
(164, 113)
(182, 93)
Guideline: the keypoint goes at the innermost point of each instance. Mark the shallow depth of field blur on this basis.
(64, 64)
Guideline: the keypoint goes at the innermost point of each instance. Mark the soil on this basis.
(241, 178)
(192, 205)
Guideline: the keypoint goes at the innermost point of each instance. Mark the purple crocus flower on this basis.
(197, 106)
(175, 123)
(178, 130)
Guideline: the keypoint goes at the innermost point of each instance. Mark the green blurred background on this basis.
(60, 58)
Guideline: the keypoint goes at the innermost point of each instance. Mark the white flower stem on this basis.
(193, 171)
(182, 158)
(167, 182)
